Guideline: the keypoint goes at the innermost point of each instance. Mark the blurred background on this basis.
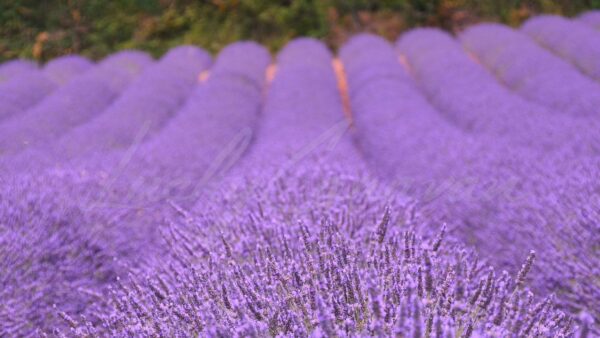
(44, 29)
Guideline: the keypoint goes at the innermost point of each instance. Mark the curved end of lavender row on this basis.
(418, 43)
(367, 57)
(187, 58)
(61, 70)
(304, 52)
(11, 69)
(246, 59)
(591, 18)
(23, 92)
(120, 68)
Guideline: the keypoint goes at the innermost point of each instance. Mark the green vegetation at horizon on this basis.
(44, 29)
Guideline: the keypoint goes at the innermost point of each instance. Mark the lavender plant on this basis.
(333, 264)
(532, 71)
(571, 40)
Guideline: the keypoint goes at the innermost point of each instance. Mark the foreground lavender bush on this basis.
(319, 256)
(572, 40)
(532, 71)
(73, 104)
(48, 259)
(591, 18)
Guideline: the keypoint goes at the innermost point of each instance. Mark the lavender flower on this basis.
(334, 282)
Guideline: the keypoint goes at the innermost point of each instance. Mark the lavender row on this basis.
(532, 71)
(591, 18)
(63, 69)
(72, 104)
(445, 73)
(572, 40)
(32, 85)
(23, 92)
(484, 189)
(136, 115)
(11, 69)
(303, 114)
(395, 125)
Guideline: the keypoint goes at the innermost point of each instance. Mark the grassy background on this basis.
(44, 29)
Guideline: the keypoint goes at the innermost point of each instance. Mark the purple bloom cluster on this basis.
(572, 40)
(23, 92)
(314, 268)
(532, 71)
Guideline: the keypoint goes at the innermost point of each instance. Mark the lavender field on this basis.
(432, 186)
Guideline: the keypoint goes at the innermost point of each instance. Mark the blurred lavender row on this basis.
(72, 104)
(137, 114)
(569, 39)
(532, 71)
(591, 18)
(11, 69)
(27, 85)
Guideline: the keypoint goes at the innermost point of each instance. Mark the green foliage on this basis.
(43, 29)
